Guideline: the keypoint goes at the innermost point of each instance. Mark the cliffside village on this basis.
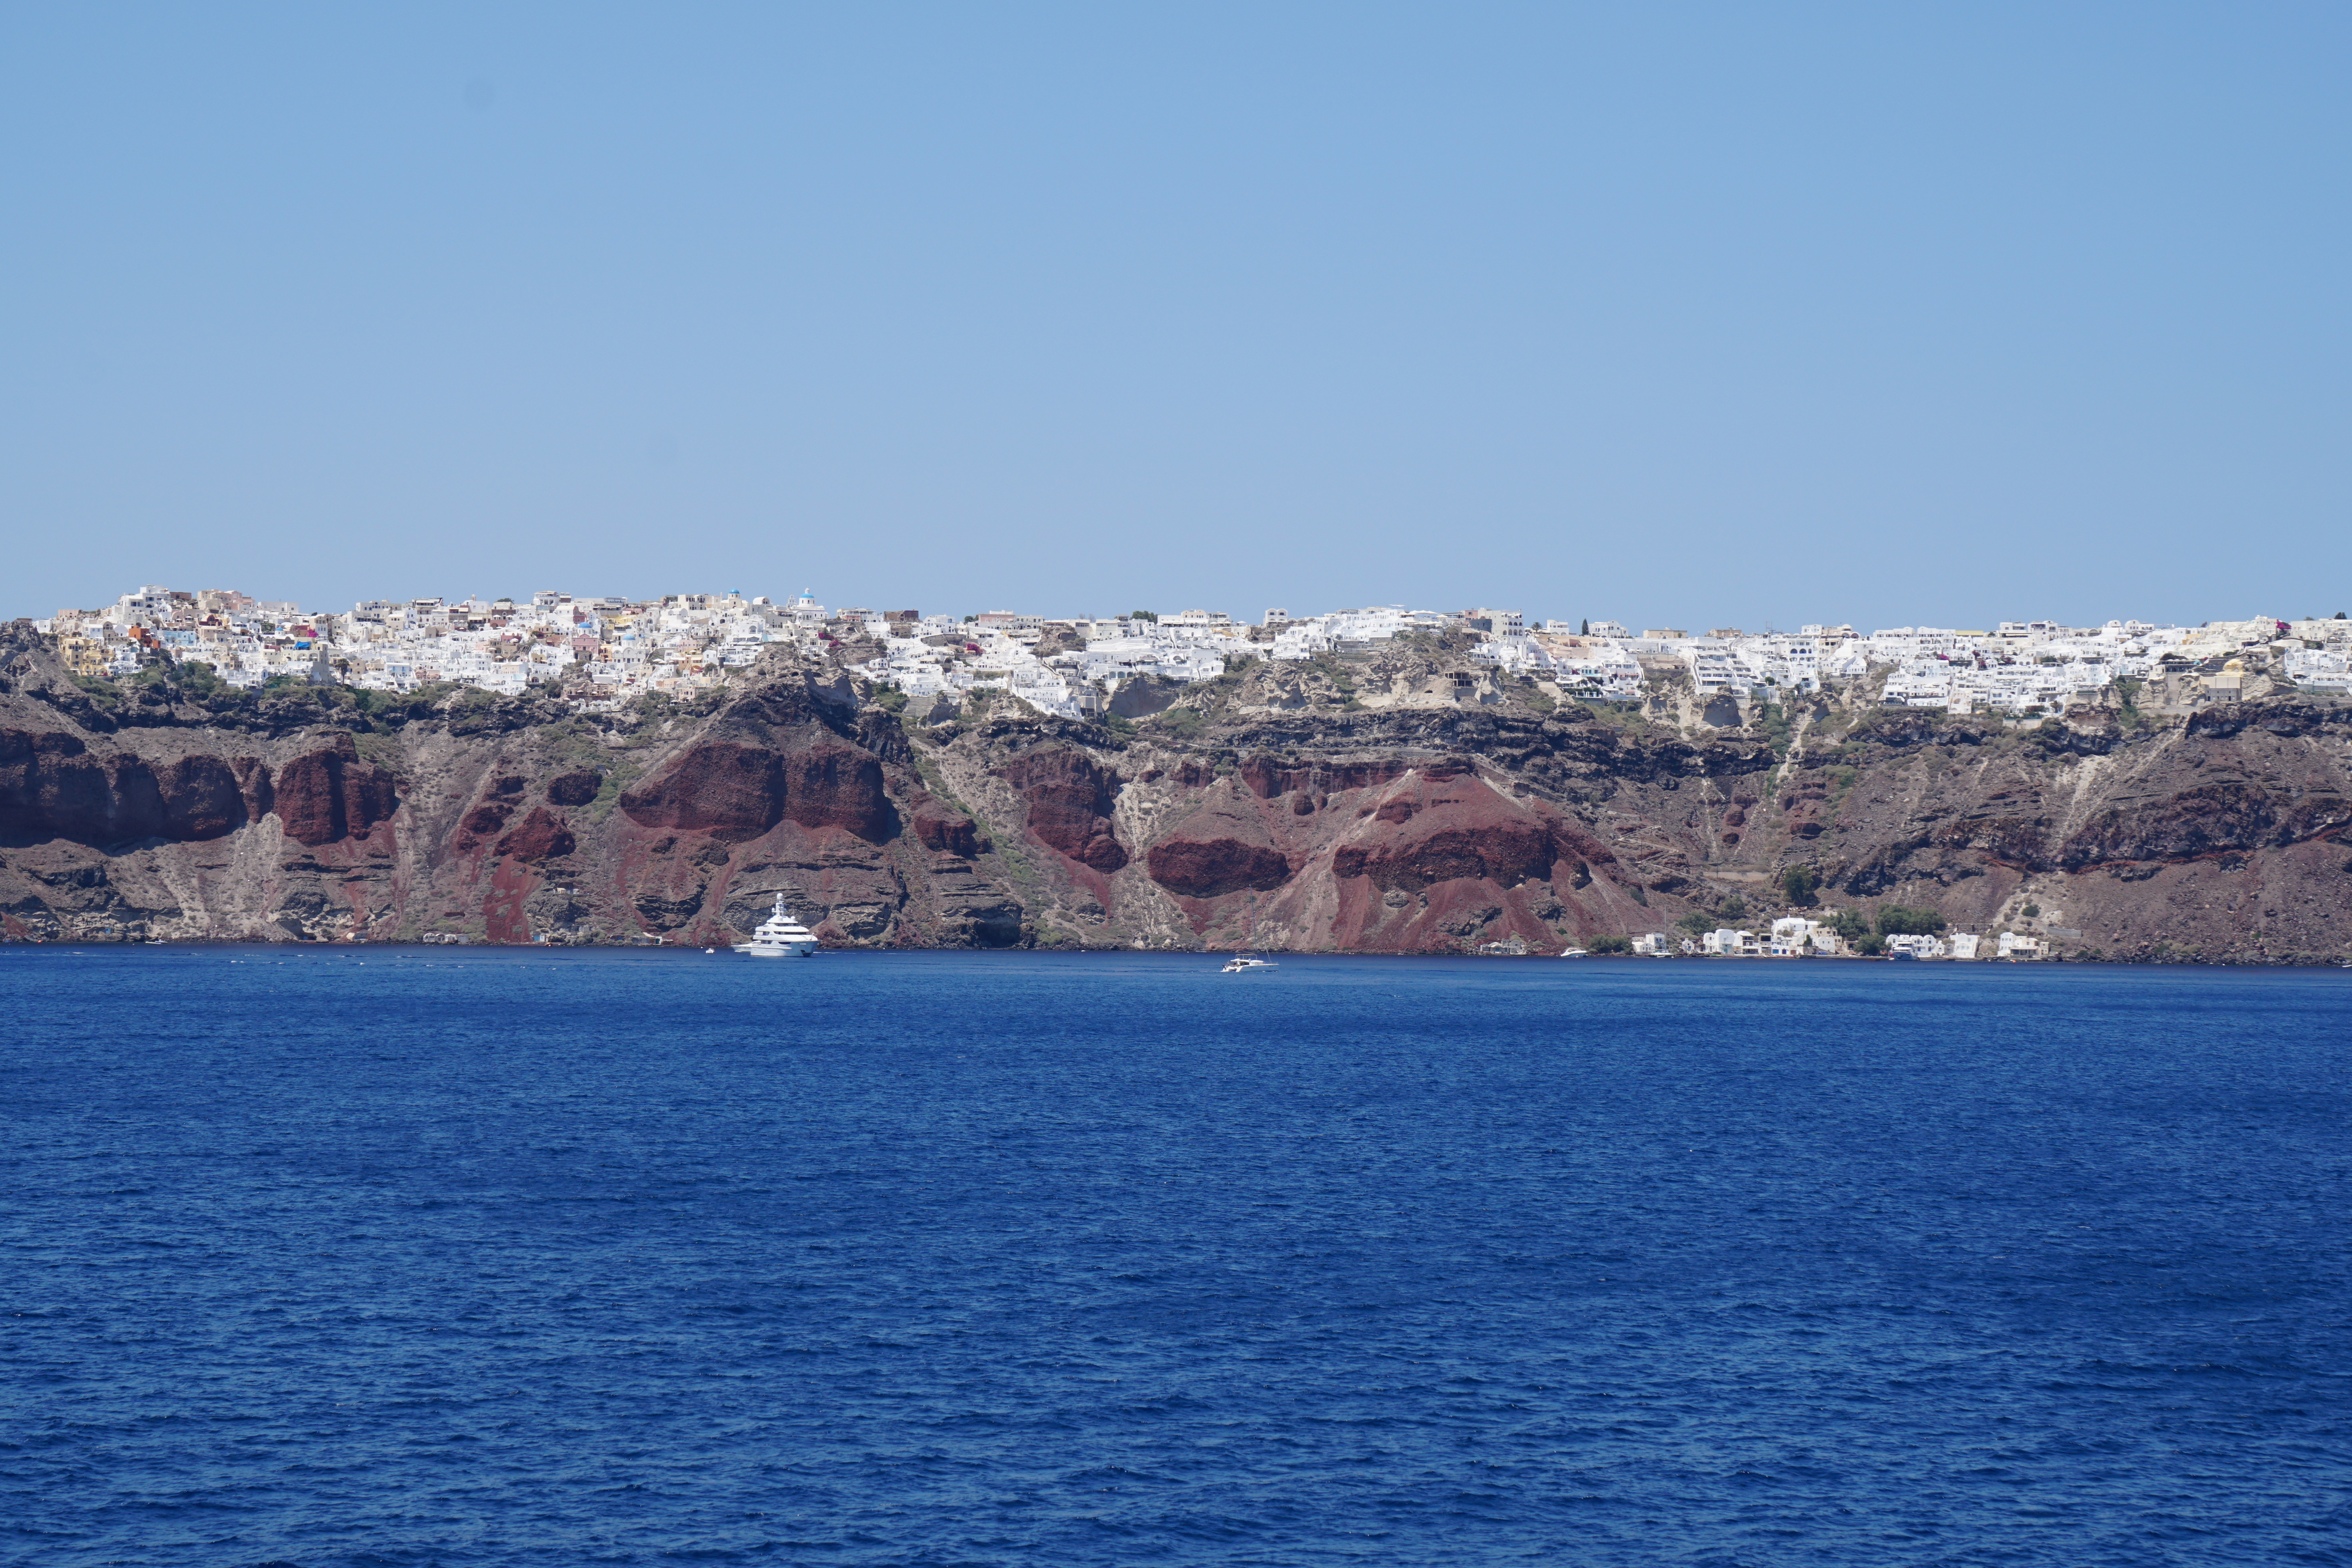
(604, 653)
(599, 654)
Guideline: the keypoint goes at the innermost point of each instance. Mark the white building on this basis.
(1795, 934)
(1916, 947)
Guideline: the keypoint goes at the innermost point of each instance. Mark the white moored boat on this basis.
(1241, 964)
(780, 937)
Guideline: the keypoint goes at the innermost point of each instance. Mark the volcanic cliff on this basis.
(1403, 800)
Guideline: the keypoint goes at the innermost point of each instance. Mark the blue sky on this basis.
(1682, 314)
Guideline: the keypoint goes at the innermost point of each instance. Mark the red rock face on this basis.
(1420, 858)
(51, 787)
(1452, 827)
(734, 792)
(1574, 842)
(504, 916)
(541, 836)
(369, 797)
(1265, 778)
(1504, 852)
(938, 828)
(202, 798)
(310, 800)
(486, 817)
(574, 788)
(54, 786)
(1214, 867)
(717, 787)
(839, 786)
(1070, 796)
(327, 796)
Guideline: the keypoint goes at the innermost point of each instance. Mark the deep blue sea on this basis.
(455, 1257)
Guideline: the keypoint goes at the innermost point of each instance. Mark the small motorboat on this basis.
(1576, 953)
(1241, 964)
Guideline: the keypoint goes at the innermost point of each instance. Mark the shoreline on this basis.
(9, 943)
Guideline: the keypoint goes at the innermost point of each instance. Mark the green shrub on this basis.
(197, 676)
(1894, 920)
(1799, 883)
(106, 693)
(1611, 945)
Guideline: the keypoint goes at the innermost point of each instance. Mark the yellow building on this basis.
(83, 655)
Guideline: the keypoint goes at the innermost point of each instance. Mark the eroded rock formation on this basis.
(1406, 804)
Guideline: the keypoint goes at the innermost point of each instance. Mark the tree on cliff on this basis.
(1799, 883)
(1894, 920)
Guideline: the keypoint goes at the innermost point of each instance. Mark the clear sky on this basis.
(1677, 314)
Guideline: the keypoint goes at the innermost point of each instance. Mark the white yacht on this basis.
(1241, 964)
(1576, 953)
(780, 937)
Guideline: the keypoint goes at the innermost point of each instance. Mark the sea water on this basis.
(429, 1256)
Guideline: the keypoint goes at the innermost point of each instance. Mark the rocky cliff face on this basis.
(1407, 801)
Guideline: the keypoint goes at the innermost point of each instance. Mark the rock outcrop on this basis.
(1069, 796)
(1401, 801)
